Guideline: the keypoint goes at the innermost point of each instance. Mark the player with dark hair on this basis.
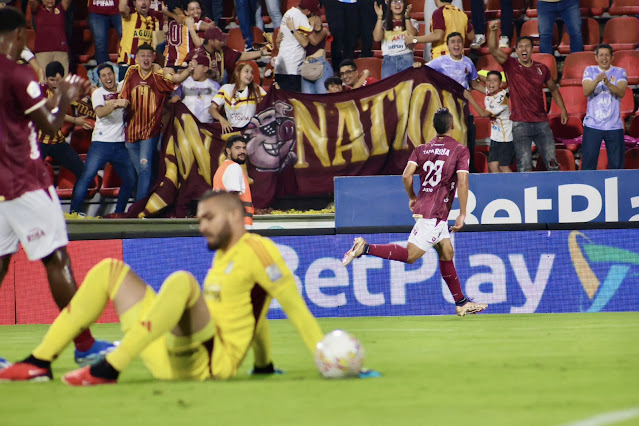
(443, 167)
(183, 333)
(30, 211)
(230, 176)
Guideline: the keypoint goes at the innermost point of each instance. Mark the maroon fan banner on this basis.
(299, 143)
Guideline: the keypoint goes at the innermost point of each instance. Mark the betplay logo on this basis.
(585, 253)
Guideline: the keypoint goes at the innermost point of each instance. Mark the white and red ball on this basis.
(339, 355)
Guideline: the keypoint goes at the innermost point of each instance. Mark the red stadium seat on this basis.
(467, 8)
(50, 171)
(81, 141)
(631, 159)
(110, 182)
(81, 70)
(574, 99)
(629, 61)
(256, 71)
(531, 12)
(567, 136)
(488, 62)
(602, 162)
(565, 158)
(236, 40)
(66, 182)
(597, 7)
(374, 65)
(548, 60)
(482, 130)
(417, 10)
(574, 67)
(634, 127)
(531, 29)
(479, 98)
(622, 33)
(590, 33)
(624, 7)
(627, 107)
(481, 162)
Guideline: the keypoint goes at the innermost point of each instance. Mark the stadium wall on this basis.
(523, 271)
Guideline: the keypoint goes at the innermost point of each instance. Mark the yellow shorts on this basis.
(170, 357)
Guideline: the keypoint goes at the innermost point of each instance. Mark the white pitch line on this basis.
(607, 418)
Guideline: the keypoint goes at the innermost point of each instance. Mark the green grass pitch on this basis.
(535, 369)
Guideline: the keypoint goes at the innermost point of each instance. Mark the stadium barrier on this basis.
(532, 198)
(516, 271)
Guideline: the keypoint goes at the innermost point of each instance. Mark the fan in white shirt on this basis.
(197, 91)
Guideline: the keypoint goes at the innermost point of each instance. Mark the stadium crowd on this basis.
(220, 59)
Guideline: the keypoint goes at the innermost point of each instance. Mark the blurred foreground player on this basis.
(30, 211)
(181, 333)
(443, 165)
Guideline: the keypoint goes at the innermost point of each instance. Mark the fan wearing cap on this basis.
(295, 31)
(197, 91)
(223, 58)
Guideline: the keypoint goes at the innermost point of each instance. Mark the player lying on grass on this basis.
(30, 212)
(181, 333)
(443, 165)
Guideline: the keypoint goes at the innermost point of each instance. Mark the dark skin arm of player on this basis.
(407, 180)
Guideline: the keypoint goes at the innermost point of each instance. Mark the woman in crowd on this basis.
(239, 99)
(393, 31)
(183, 35)
(316, 54)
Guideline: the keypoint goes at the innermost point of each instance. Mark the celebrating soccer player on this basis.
(30, 212)
(443, 166)
(181, 333)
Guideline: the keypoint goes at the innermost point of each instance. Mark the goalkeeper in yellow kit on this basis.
(181, 333)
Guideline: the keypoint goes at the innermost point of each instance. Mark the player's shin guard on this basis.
(388, 251)
(101, 284)
(449, 273)
(179, 292)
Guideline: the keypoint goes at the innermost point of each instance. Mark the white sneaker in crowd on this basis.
(504, 42)
(478, 41)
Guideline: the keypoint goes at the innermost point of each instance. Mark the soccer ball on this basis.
(339, 355)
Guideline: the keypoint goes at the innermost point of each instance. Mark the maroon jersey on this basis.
(438, 162)
(527, 102)
(21, 168)
(51, 36)
(104, 7)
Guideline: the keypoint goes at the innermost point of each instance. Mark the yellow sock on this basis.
(179, 292)
(101, 284)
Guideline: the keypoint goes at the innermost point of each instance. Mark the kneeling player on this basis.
(442, 163)
(181, 333)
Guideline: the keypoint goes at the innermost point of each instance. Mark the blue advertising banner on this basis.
(537, 197)
(514, 272)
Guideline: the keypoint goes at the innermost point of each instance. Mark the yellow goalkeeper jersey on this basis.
(238, 290)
